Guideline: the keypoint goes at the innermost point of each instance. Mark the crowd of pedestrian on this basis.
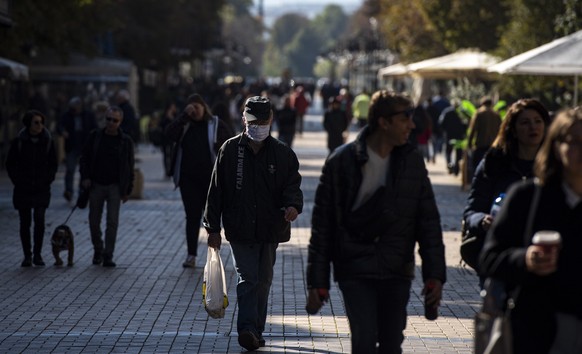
(374, 204)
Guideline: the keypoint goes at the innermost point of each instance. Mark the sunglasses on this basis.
(37, 122)
(112, 120)
(407, 112)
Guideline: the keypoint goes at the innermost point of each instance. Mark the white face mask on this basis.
(258, 132)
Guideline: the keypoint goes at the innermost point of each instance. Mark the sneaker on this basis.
(108, 263)
(37, 261)
(190, 262)
(68, 196)
(27, 262)
(248, 340)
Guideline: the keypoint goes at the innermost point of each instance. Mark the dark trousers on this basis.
(194, 199)
(98, 197)
(254, 266)
(26, 216)
(376, 311)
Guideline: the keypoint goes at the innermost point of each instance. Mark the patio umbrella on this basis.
(560, 57)
(462, 63)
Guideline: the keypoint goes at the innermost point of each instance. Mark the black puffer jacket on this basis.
(31, 167)
(392, 255)
(496, 172)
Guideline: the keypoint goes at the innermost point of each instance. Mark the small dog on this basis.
(62, 240)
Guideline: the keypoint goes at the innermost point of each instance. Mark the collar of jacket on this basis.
(24, 135)
(362, 153)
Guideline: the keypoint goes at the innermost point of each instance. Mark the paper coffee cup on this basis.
(547, 239)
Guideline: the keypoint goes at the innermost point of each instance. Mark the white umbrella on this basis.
(559, 57)
(464, 62)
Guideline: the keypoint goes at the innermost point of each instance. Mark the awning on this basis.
(12, 70)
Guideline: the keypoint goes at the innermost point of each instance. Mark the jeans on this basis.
(99, 195)
(376, 310)
(194, 199)
(25, 223)
(254, 266)
(71, 162)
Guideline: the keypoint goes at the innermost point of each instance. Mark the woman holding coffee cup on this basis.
(545, 265)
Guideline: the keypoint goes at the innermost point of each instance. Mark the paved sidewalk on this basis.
(150, 304)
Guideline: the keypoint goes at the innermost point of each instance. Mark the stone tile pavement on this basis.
(150, 304)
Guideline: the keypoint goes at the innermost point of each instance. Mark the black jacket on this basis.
(126, 159)
(496, 172)
(31, 167)
(503, 257)
(218, 133)
(392, 255)
(250, 192)
(76, 139)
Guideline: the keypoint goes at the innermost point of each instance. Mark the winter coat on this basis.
(503, 257)
(495, 173)
(251, 192)
(32, 167)
(335, 122)
(391, 255)
(218, 133)
(126, 160)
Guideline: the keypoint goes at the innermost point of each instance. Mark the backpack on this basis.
(471, 246)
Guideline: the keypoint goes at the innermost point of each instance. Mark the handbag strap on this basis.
(532, 212)
(527, 235)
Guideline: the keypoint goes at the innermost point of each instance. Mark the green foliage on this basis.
(302, 52)
(295, 41)
(146, 31)
(286, 28)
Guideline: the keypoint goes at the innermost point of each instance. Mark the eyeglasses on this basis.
(37, 122)
(408, 112)
(112, 120)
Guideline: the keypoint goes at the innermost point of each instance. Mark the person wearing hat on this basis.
(31, 164)
(255, 192)
(197, 136)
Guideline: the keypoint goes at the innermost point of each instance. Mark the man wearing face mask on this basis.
(255, 190)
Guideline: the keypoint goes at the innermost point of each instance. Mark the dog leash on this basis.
(71, 213)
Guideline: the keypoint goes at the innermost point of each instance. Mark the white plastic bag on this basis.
(214, 294)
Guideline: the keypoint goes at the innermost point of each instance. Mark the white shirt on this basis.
(373, 176)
